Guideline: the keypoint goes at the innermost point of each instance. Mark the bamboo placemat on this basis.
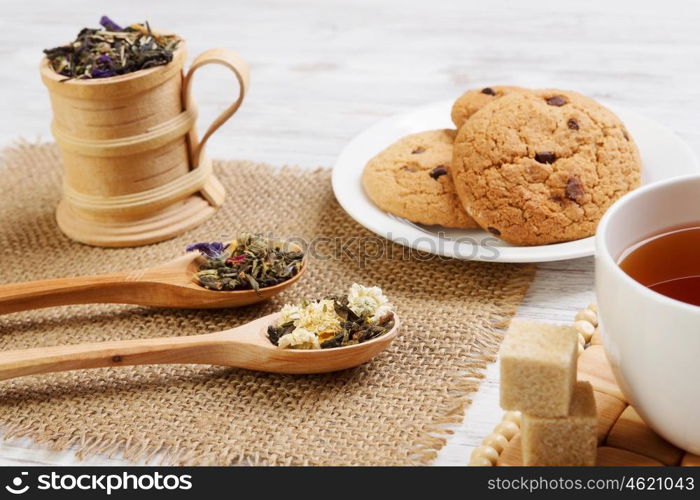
(623, 437)
(394, 410)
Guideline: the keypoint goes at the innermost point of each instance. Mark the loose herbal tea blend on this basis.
(111, 51)
(250, 262)
(362, 314)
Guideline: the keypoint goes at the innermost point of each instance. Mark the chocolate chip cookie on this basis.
(473, 100)
(410, 179)
(543, 166)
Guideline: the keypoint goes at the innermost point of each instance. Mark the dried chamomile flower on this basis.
(299, 339)
(319, 317)
(289, 314)
(336, 321)
(368, 301)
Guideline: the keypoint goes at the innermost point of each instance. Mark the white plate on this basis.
(664, 155)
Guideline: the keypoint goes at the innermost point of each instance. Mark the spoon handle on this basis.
(123, 288)
(193, 349)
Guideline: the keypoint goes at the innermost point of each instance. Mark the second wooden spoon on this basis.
(246, 346)
(168, 285)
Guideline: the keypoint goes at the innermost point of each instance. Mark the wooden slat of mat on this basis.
(594, 367)
(632, 434)
(609, 410)
(512, 454)
(615, 457)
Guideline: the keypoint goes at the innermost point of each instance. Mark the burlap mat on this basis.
(394, 410)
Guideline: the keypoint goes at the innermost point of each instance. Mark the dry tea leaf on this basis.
(111, 51)
(250, 262)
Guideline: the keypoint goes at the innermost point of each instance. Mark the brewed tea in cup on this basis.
(668, 263)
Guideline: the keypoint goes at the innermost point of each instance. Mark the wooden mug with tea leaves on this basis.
(134, 169)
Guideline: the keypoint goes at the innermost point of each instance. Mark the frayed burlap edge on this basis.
(486, 349)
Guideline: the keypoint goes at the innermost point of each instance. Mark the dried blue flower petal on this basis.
(109, 24)
(213, 250)
(105, 59)
(104, 67)
(101, 73)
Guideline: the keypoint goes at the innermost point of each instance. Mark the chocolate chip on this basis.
(488, 91)
(438, 172)
(116, 359)
(493, 230)
(574, 189)
(418, 150)
(545, 157)
(572, 124)
(556, 100)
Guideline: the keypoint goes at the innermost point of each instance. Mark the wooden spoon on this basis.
(246, 346)
(168, 285)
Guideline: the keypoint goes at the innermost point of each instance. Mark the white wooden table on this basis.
(323, 71)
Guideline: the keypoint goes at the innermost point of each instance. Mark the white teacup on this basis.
(652, 341)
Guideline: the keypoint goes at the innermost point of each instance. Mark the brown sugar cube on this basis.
(594, 367)
(569, 440)
(615, 457)
(538, 368)
(632, 434)
(690, 460)
(609, 410)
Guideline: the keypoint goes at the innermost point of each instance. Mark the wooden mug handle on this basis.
(235, 63)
